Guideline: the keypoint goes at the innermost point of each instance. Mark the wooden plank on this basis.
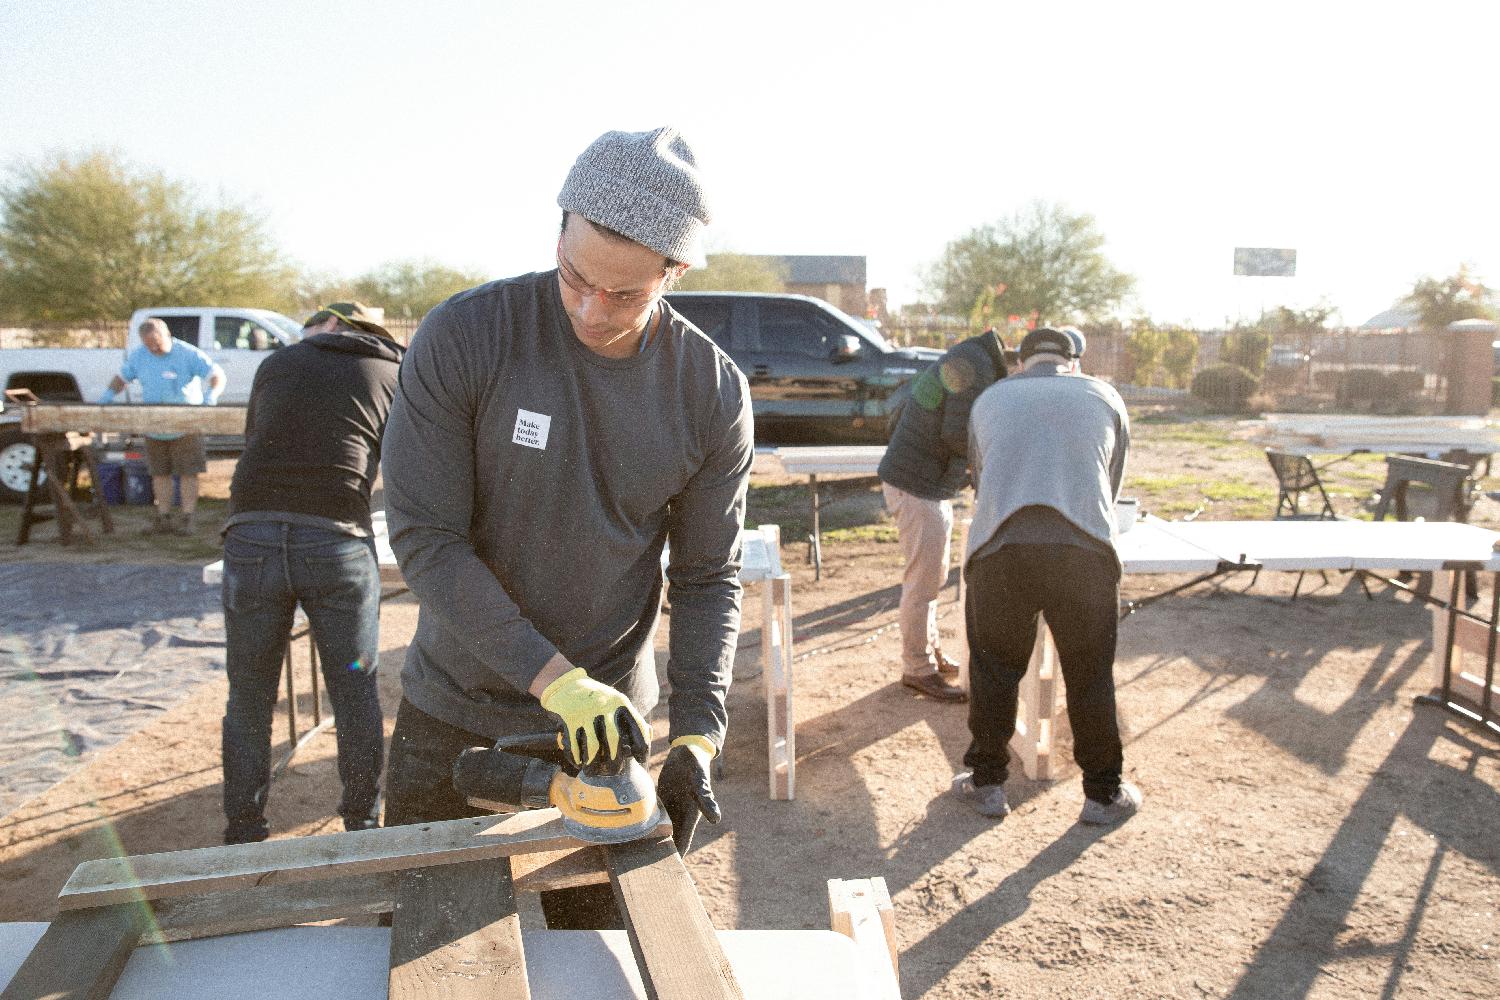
(455, 934)
(239, 910)
(209, 914)
(675, 944)
(1469, 637)
(547, 870)
(860, 909)
(1037, 705)
(304, 859)
(776, 674)
(132, 418)
(81, 955)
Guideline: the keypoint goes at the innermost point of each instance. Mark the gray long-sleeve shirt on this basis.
(1046, 439)
(530, 487)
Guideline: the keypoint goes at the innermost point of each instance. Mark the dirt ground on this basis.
(1306, 832)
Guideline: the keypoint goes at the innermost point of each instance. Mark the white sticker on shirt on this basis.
(531, 429)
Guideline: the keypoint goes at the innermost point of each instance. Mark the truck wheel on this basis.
(16, 456)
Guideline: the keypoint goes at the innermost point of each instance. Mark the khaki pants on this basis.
(925, 528)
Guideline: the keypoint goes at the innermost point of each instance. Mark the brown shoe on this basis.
(945, 666)
(185, 524)
(934, 686)
(161, 524)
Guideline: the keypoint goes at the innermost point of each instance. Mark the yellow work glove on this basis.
(594, 718)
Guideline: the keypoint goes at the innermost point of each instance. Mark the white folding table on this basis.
(845, 460)
(1211, 548)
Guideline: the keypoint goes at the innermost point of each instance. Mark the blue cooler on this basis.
(112, 482)
(135, 483)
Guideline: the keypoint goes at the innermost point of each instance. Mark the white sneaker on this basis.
(1125, 804)
(986, 800)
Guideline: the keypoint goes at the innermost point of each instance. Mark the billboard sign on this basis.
(1265, 262)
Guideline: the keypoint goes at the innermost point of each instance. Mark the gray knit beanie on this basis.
(644, 185)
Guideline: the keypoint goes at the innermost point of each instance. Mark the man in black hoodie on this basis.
(300, 531)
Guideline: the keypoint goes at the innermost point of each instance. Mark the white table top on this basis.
(831, 459)
(351, 963)
(1308, 545)
(1151, 547)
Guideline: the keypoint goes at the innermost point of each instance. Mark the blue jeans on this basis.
(269, 568)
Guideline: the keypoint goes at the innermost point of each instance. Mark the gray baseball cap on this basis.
(644, 186)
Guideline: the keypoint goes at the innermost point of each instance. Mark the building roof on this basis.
(1398, 317)
(820, 269)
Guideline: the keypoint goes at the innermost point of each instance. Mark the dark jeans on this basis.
(1077, 590)
(419, 789)
(269, 568)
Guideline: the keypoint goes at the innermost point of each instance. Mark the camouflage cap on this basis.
(355, 314)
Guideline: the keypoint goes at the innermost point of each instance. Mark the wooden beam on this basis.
(675, 944)
(306, 859)
(455, 934)
(236, 911)
(132, 418)
(80, 956)
(860, 909)
(181, 918)
(548, 870)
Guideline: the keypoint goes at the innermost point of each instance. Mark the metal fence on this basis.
(1400, 371)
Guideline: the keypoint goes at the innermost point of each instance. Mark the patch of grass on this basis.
(852, 509)
(1159, 484)
(882, 532)
(1229, 489)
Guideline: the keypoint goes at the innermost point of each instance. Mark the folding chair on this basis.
(1296, 475)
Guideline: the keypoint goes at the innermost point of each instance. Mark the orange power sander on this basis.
(604, 802)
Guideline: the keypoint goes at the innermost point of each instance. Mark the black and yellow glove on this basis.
(684, 790)
(594, 718)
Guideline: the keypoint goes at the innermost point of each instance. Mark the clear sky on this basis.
(1362, 134)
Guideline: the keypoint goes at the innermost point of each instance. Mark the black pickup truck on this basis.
(815, 374)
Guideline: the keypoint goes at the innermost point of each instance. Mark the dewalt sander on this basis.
(604, 802)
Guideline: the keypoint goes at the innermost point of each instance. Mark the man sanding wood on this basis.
(551, 432)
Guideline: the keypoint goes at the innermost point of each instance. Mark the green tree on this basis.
(1146, 346)
(410, 288)
(1045, 263)
(735, 272)
(1440, 301)
(1248, 347)
(1180, 356)
(89, 237)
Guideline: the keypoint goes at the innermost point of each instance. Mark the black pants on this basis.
(419, 789)
(1077, 590)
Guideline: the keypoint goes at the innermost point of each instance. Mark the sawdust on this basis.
(1306, 832)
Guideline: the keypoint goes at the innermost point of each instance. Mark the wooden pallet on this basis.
(449, 885)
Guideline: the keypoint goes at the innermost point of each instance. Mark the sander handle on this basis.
(505, 778)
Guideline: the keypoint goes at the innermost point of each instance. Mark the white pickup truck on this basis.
(238, 339)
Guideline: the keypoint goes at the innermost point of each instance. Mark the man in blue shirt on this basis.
(166, 368)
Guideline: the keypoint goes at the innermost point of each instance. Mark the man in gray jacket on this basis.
(921, 472)
(550, 434)
(1048, 449)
